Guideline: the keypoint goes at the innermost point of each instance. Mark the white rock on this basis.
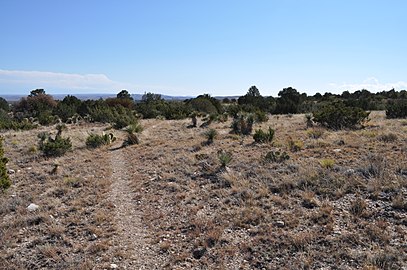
(32, 207)
(10, 171)
(113, 266)
(280, 223)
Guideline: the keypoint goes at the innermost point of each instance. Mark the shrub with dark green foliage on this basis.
(263, 137)
(8, 122)
(276, 156)
(67, 108)
(206, 104)
(243, 124)
(95, 140)
(397, 109)
(5, 181)
(233, 109)
(253, 101)
(4, 105)
(338, 116)
(46, 118)
(54, 147)
(261, 116)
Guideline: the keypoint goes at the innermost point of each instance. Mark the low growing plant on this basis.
(95, 140)
(276, 156)
(263, 137)
(210, 135)
(54, 147)
(132, 132)
(224, 158)
(327, 163)
(295, 145)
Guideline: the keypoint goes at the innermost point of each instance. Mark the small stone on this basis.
(10, 171)
(32, 207)
(113, 266)
(337, 150)
(280, 223)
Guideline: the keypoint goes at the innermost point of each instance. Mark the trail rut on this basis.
(132, 237)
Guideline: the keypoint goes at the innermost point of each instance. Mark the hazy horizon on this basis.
(183, 48)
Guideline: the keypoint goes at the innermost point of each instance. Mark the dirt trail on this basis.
(132, 237)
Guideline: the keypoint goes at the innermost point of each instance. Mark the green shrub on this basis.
(224, 158)
(276, 156)
(54, 147)
(210, 135)
(206, 104)
(243, 124)
(5, 181)
(263, 137)
(338, 116)
(397, 109)
(46, 118)
(261, 116)
(95, 140)
(8, 122)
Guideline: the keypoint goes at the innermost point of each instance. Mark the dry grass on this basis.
(304, 213)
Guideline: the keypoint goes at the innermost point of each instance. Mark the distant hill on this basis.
(13, 98)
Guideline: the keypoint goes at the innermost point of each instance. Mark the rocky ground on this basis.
(338, 202)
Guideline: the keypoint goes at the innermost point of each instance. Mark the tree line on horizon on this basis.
(41, 108)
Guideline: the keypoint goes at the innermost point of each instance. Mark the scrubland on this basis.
(312, 198)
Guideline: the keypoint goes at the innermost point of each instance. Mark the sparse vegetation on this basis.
(276, 156)
(5, 181)
(233, 205)
(294, 145)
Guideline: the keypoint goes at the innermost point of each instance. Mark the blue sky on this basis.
(184, 47)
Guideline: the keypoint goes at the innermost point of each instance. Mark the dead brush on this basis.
(301, 240)
(387, 138)
(50, 252)
(249, 216)
(358, 207)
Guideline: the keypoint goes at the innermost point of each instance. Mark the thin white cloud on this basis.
(54, 80)
(372, 84)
